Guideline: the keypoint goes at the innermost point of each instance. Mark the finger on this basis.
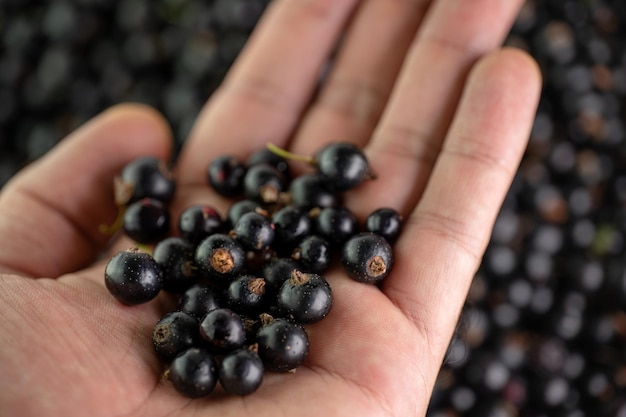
(355, 92)
(50, 213)
(272, 81)
(408, 138)
(446, 235)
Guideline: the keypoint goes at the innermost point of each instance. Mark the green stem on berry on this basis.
(110, 230)
(290, 155)
(145, 248)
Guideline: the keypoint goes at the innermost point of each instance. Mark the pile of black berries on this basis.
(248, 281)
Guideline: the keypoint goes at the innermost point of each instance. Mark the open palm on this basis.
(443, 117)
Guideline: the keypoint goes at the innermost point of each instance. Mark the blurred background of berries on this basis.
(544, 329)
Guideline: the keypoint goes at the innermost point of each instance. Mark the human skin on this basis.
(443, 114)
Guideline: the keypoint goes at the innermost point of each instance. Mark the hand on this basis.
(443, 117)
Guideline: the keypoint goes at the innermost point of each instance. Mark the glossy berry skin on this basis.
(265, 156)
(146, 177)
(175, 257)
(343, 164)
(198, 222)
(277, 271)
(225, 174)
(335, 224)
(291, 224)
(220, 256)
(223, 330)
(241, 372)
(133, 277)
(264, 183)
(367, 257)
(254, 231)
(146, 221)
(313, 254)
(239, 208)
(312, 190)
(198, 300)
(246, 295)
(282, 345)
(193, 373)
(305, 298)
(385, 222)
(175, 332)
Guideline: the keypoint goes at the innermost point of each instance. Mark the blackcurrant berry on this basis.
(265, 156)
(146, 221)
(225, 174)
(245, 295)
(193, 373)
(291, 224)
(305, 298)
(175, 256)
(335, 224)
(385, 222)
(313, 254)
(254, 231)
(283, 345)
(344, 165)
(145, 177)
(367, 257)
(239, 208)
(264, 183)
(241, 372)
(199, 221)
(223, 330)
(312, 190)
(198, 300)
(220, 256)
(133, 277)
(277, 271)
(175, 332)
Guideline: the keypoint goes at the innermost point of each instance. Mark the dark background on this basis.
(544, 328)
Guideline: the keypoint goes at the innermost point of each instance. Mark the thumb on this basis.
(50, 212)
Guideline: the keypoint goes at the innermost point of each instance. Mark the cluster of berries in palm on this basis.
(248, 281)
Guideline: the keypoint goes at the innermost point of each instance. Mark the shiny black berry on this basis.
(291, 224)
(312, 190)
(239, 208)
(146, 221)
(367, 257)
(246, 294)
(198, 300)
(265, 156)
(282, 345)
(385, 222)
(241, 372)
(254, 231)
(344, 165)
(277, 271)
(145, 177)
(176, 258)
(305, 298)
(335, 224)
(223, 330)
(225, 174)
(193, 373)
(175, 332)
(220, 256)
(313, 254)
(264, 183)
(133, 277)
(198, 222)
